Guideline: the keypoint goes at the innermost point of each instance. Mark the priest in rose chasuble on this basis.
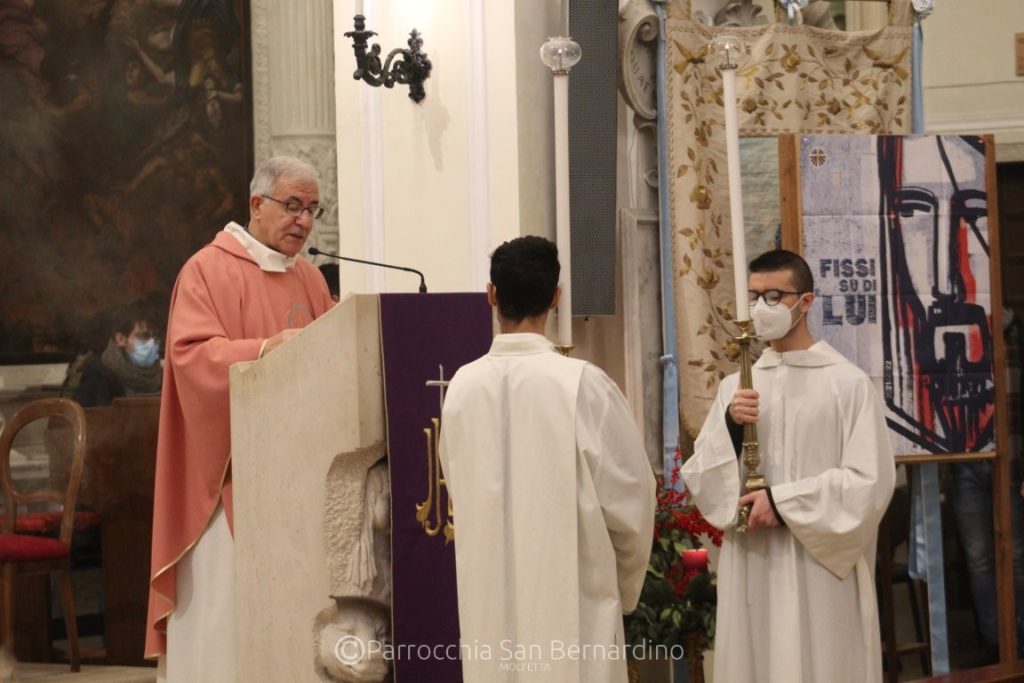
(552, 495)
(796, 592)
(235, 300)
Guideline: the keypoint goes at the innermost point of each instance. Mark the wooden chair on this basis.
(31, 554)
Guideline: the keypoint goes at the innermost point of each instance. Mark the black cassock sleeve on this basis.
(736, 434)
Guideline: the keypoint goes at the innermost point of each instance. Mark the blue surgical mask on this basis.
(144, 353)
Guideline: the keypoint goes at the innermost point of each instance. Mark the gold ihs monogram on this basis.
(435, 485)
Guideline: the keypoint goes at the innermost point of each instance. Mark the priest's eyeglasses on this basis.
(770, 296)
(294, 208)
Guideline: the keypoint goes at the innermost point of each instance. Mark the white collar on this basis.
(520, 344)
(818, 355)
(265, 257)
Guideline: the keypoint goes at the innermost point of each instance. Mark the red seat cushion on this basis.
(83, 520)
(30, 524)
(49, 522)
(19, 548)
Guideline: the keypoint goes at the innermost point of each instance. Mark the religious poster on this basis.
(126, 145)
(895, 230)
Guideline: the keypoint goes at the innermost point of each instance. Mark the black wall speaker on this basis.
(593, 107)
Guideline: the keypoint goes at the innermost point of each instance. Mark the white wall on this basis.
(970, 77)
(436, 185)
(535, 22)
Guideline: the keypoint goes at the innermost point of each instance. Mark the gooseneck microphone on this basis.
(313, 251)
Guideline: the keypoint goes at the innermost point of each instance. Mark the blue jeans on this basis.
(972, 506)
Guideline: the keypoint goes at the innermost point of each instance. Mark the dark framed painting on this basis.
(126, 142)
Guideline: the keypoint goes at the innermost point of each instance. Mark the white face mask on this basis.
(774, 322)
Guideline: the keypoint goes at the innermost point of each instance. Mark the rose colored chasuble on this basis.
(229, 298)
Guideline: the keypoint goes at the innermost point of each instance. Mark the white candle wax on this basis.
(561, 85)
(732, 148)
(359, 7)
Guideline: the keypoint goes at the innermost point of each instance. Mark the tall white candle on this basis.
(359, 7)
(732, 148)
(560, 54)
(561, 92)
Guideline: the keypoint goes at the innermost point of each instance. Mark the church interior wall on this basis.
(970, 78)
(417, 187)
(535, 21)
(437, 185)
(399, 161)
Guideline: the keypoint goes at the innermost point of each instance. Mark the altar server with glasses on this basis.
(796, 592)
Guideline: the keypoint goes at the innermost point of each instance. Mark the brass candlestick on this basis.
(754, 480)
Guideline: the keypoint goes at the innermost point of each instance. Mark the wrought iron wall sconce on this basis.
(411, 68)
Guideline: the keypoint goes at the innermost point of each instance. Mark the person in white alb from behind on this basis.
(553, 497)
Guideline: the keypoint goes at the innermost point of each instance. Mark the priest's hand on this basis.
(743, 409)
(761, 514)
(278, 339)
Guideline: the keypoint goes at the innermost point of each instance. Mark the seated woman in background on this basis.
(129, 364)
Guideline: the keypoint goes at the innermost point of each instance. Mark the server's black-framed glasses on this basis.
(770, 296)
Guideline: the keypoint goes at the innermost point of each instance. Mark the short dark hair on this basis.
(127, 316)
(524, 272)
(783, 259)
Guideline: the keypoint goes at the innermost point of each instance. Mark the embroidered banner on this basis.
(425, 338)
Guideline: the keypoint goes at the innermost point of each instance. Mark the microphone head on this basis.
(312, 251)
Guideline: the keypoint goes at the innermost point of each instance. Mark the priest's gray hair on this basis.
(275, 168)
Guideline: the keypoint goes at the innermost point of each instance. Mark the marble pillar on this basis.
(293, 95)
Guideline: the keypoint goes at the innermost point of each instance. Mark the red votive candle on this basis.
(695, 559)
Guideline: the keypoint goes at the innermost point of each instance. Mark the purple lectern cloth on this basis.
(421, 333)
